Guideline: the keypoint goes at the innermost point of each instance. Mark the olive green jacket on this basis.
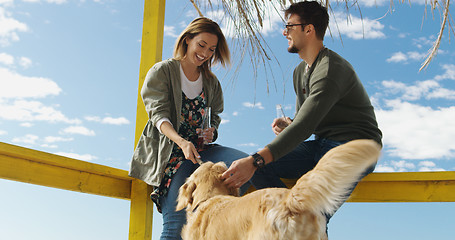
(162, 97)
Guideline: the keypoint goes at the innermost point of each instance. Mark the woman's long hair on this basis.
(203, 25)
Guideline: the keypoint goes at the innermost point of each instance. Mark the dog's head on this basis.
(203, 184)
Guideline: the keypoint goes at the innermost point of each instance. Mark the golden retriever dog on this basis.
(216, 212)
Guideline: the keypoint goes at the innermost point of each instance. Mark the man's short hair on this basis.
(311, 12)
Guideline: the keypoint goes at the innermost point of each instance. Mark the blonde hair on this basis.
(203, 25)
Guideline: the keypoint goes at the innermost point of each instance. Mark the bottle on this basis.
(280, 114)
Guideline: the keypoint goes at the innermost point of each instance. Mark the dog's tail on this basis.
(324, 188)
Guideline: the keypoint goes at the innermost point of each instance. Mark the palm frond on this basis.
(247, 19)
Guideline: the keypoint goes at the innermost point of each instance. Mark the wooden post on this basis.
(151, 53)
(141, 213)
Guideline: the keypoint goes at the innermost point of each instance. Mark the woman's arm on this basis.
(187, 147)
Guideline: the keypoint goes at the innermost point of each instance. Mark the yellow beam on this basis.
(406, 187)
(35, 167)
(403, 187)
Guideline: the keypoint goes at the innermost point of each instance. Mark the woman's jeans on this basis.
(296, 163)
(173, 221)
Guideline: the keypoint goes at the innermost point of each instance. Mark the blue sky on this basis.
(68, 85)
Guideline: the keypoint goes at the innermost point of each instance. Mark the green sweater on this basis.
(331, 103)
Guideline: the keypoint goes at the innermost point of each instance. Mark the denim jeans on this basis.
(296, 163)
(173, 221)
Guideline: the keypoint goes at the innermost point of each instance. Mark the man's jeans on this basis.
(296, 163)
(173, 221)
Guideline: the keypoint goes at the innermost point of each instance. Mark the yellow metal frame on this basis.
(36, 167)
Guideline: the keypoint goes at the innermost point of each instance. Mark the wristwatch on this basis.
(258, 161)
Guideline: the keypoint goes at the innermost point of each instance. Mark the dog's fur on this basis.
(216, 212)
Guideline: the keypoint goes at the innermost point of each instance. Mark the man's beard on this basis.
(293, 49)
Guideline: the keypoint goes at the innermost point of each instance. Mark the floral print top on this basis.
(190, 119)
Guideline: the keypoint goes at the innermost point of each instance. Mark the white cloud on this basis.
(93, 119)
(253, 105)
(356, 28)
(25, 62)
(448, 74)
(402, 35)
(52, 139)
(26, 124)
(397, 57)
(108, 120)
(115, 121)
(288, 107)
(235, 114)
(170, 31)
(9, 28)
(15, 85)
(6, 59)
(429, 89)
(423, 41)
(416, 55)
(64, 1)
(2, 132)
(403, 165)
(29, 111)
(383, 168)
(27, 139)
(407, 166)
(50, 1)
(83, 157)
(78, 130)
(427, 164)
(413, 131)
(373, 3)
(248, 145)
(49, 146)
(405, 57)
(6, 2)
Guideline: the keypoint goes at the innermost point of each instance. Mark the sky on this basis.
(69, 73)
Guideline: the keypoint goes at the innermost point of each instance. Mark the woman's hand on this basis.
(189, 150)
(187, 147)
(207, 134)
(279, 124)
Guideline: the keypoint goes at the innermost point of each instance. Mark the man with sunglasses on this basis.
(331, 104)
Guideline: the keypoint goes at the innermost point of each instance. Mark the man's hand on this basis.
(239, 172)
(279, 124)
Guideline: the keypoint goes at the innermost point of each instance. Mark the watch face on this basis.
(258, 161)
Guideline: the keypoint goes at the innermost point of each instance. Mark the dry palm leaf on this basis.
(247, 17)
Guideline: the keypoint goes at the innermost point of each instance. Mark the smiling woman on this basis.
(176, 93)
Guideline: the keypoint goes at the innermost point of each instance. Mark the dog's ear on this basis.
(185, 198)
(219, 167)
